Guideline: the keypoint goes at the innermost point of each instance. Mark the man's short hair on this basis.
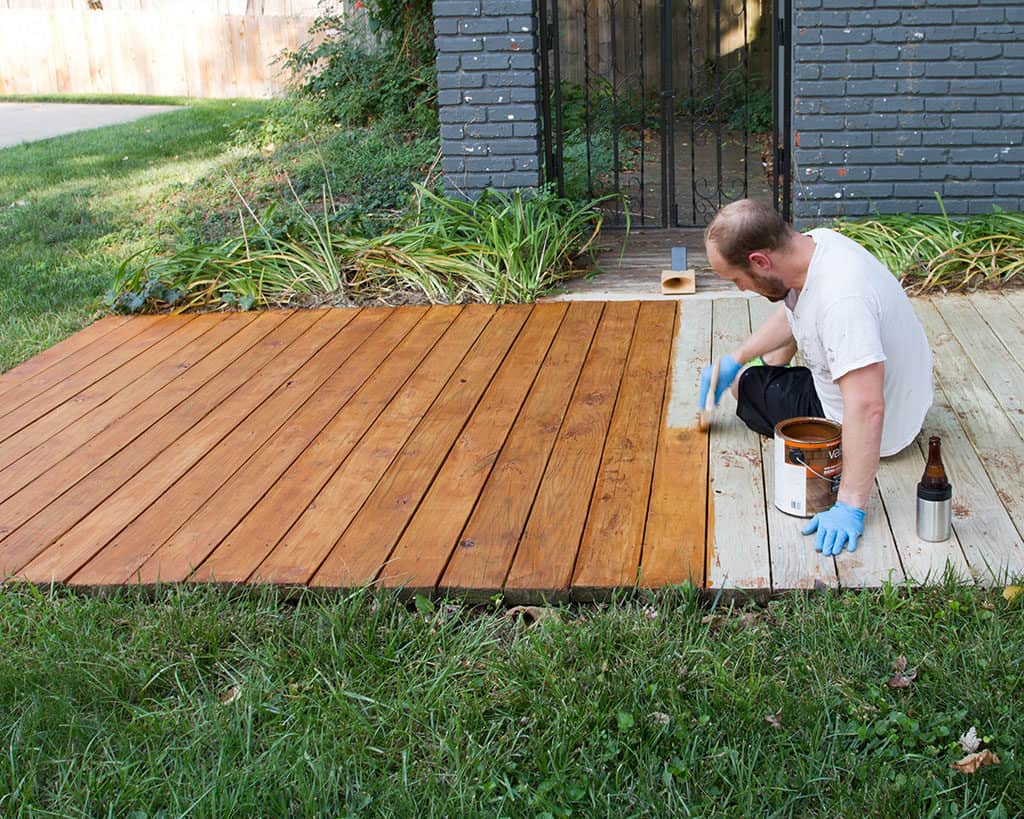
(744, 226)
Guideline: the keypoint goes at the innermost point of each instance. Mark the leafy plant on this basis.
(930, 252)
(372, 68)
(501, 248)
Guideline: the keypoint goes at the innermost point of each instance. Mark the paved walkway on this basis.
(29, 121)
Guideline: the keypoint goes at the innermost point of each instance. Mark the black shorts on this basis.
(768, 395)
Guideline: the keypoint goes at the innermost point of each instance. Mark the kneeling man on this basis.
(868, 363)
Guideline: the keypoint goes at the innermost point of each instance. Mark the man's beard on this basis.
(771, 287)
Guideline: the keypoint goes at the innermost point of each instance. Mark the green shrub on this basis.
(372, 69)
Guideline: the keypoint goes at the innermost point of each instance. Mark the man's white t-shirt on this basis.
(852, 312)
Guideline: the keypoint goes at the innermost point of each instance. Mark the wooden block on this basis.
(678, 282)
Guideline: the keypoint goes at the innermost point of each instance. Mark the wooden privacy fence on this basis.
(161, 50)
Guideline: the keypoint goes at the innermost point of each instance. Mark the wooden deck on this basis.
(541, 452)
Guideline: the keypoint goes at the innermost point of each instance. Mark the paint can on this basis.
(808, 465)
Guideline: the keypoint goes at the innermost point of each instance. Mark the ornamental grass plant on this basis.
(934, 252)
(502, 248)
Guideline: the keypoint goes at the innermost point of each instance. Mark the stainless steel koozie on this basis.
(934, 519)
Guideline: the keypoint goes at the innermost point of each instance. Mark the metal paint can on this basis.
(808, 465)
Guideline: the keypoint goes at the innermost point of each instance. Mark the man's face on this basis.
(761, 281)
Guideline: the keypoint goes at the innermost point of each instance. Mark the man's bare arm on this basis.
(771, 335)
(863, 414)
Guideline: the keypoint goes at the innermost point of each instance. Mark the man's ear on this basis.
(760, 261)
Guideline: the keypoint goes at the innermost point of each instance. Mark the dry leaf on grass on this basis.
(902, 678)
(970, 763)
(774, 720)
(1010, 593)
(229, 696)
(533, 614)
(969, 741)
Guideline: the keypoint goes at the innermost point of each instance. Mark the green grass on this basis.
(74, 207)
(237, 703)
(105, 99)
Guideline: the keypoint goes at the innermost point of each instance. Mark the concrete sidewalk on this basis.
(29, 121)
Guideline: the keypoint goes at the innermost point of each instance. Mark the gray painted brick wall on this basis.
(487, 81)
(898, 100)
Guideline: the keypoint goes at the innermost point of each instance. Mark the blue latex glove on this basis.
(836, 527)
(728, 369)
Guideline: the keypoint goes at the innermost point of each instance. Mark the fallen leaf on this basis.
(533, 614)
(229, 696)
(1010, 593)
(902, 678)
(774, 720)
(969, 741)
(970, 763)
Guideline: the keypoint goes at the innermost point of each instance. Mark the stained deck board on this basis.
(299, 554)
(15, 416)
(543, 564)
(106, 397)
(558, 437)
(56, 354)
(675, 536)
(499, 517)
(361, 554)
(77, 544)
(610, 551)
(283, 415)
(134, 408)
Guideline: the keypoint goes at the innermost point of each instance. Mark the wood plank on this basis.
(425, 547)
(794, 563)
(609, 555)
(39, 382)
(675, 538)
(543, 565)
(738, 557)
(311, 397)
(499, 517)
(253, 498)
(112, 414)
(19, 418)
(295, 371)
(922, 562)
(1005, 319)
(216, 548)
(299, 554)
(78, 458)
(25, 540)
(59, 352)
(122, 382)
(364, 547)
(993, 435)
(1003, 375)
(979, 518)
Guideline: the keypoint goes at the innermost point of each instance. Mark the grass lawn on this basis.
(71, 211)
(211, 702)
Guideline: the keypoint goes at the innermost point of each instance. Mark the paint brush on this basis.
(704, 414)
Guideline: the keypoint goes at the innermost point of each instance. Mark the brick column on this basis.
(488, 95)
(895, 102)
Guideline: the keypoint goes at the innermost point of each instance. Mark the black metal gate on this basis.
(672, 107)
